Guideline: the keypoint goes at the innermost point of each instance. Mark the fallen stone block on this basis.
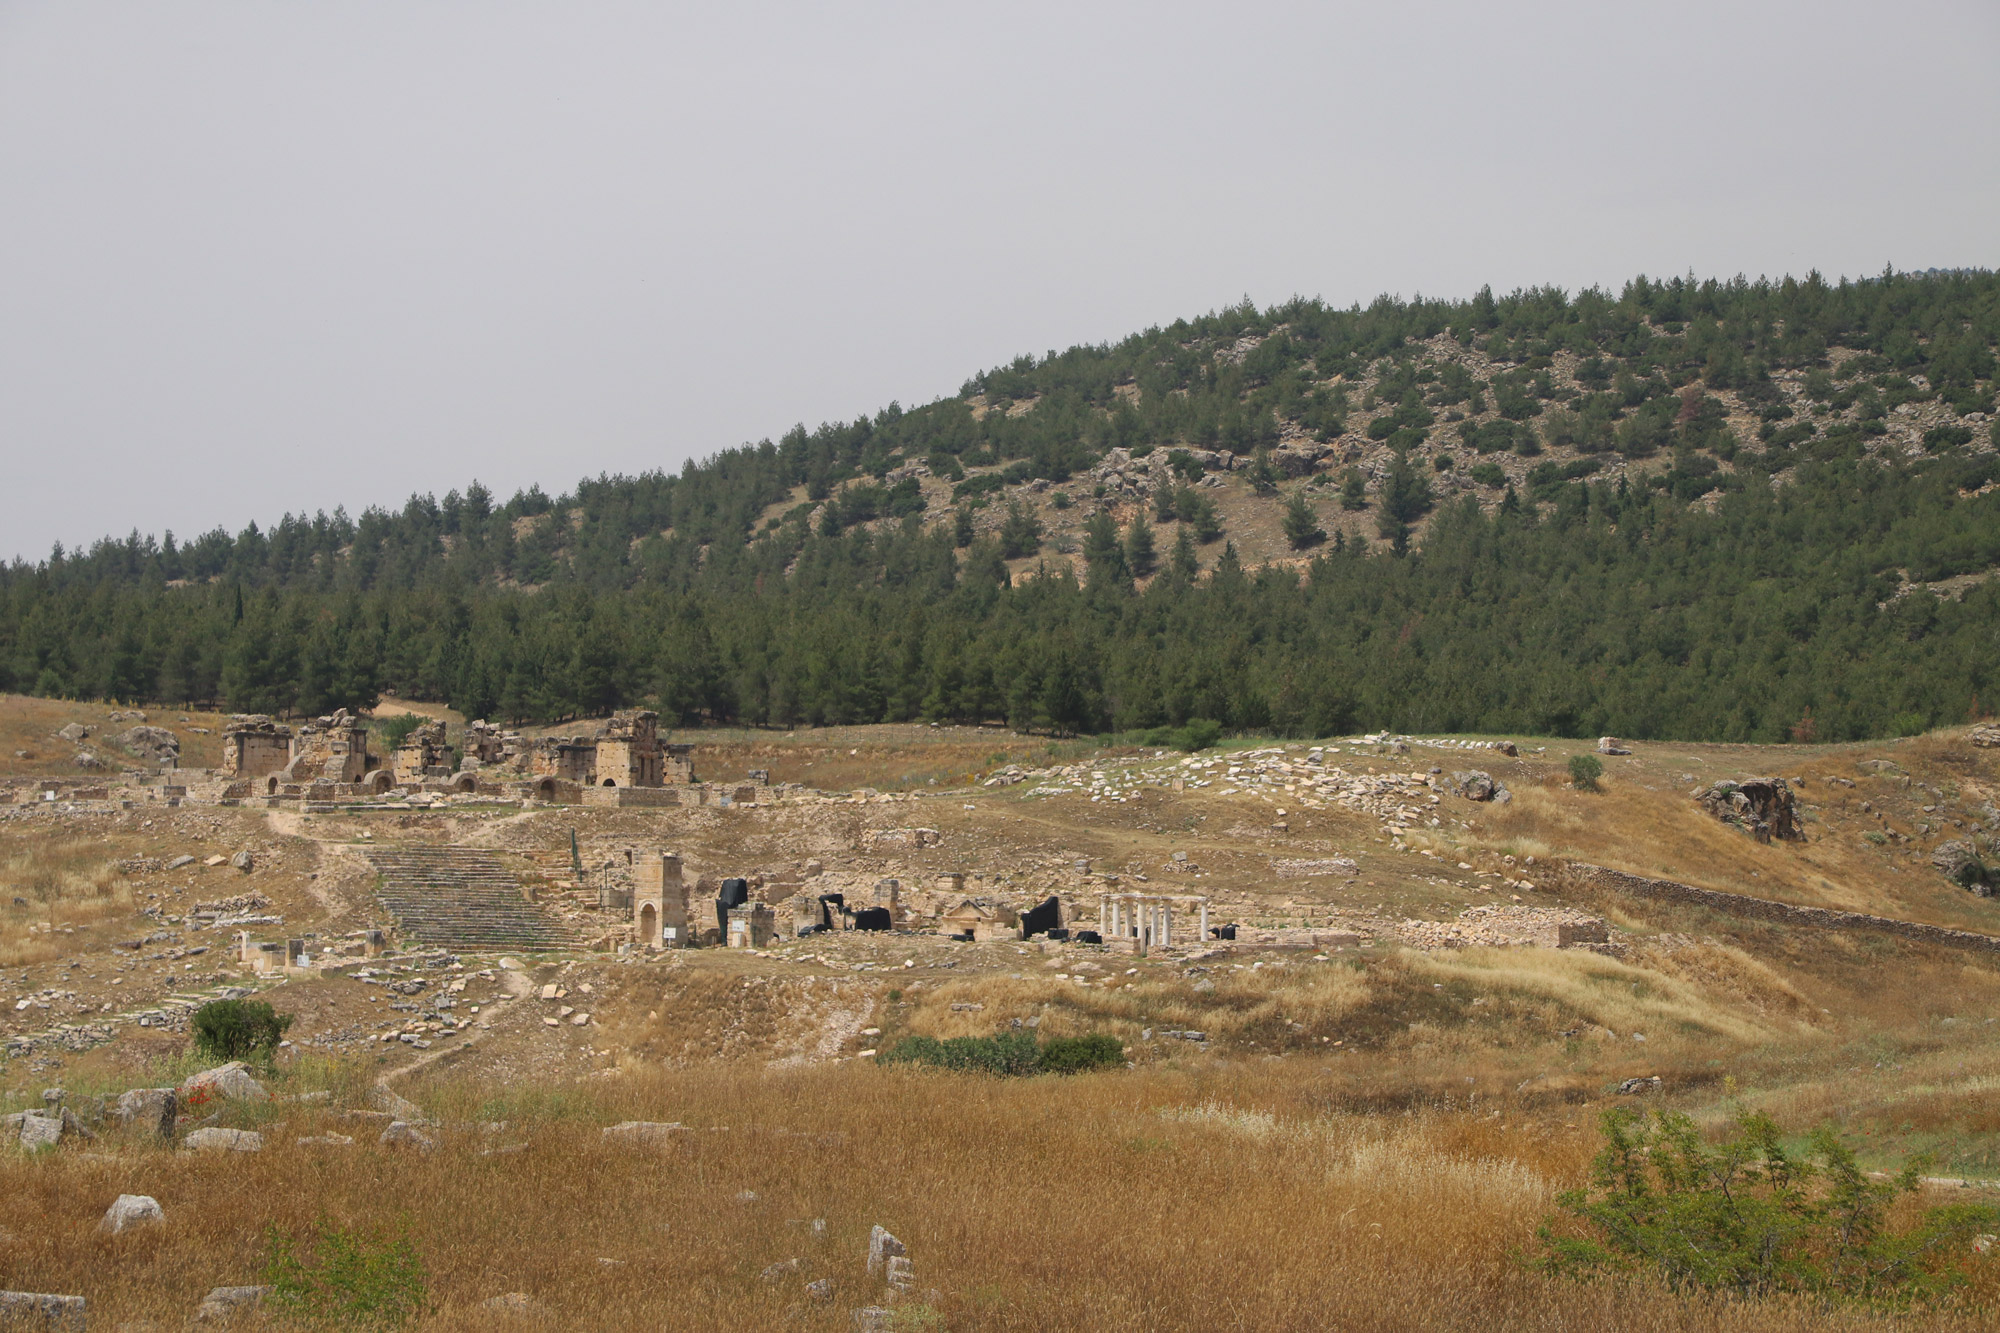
(40, 1131)
(224, 1303)
(648, 1132)
(36, 1310)
(403, 1134)
(224, 1140)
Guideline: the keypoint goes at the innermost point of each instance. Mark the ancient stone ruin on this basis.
(1762, 807)
(253, 746)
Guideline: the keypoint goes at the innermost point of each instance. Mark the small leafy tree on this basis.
(1584, 771)
(238, 1029)
(1750, 1218)
(341, 1278)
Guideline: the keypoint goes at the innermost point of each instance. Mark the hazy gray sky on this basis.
(258, 257)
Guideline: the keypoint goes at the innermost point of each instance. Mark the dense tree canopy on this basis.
(1577, 607)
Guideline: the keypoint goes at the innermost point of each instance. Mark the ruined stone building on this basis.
(333, 748)
(253, 746)
(330, 749)
(627, 753)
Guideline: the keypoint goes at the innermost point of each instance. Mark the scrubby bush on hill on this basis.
(1751, 1217)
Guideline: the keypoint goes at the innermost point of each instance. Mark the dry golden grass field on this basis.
(1367, 1136)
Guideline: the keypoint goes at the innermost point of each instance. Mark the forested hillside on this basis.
(1749, 511)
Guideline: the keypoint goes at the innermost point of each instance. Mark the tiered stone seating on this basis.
(460, 898)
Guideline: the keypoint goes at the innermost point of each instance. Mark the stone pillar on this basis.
(1103, 920)
(1204, 922)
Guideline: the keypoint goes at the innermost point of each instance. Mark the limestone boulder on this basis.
(130, 1212)
(1959, 862)
(402, 1108)
(156, 745)
(231, 1082)
(1761, 807)
(74, 732)
(224, 1140)
(150, 1109)
(1475, 785)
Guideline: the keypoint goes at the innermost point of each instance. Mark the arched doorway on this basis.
(649, 926)
(545, 790)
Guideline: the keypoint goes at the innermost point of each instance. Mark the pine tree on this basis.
(1353, 490)
(1141, 553)
(1406, 497)
(1184, 562)
(1103, 553)
(1302, 527)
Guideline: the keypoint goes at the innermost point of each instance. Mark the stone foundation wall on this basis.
(1763, 909)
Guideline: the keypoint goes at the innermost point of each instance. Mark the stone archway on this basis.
(379, 782)
(464, 783)
(609, 782)
(649, 927)
(545, 790)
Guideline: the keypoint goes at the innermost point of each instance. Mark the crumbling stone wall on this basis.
(422, 751)
(333, 748)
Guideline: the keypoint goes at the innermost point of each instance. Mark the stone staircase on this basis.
(459, 898)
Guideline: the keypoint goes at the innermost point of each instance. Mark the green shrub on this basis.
(238, 1029)
(1008, 1053)
(341, 1278)
(1004, 1053)
(1072, 1055)
(1748, 1218)
(1584, 771)
(395, 730)
(1199, 734)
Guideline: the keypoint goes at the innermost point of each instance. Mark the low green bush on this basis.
(238, 1029)
(339, 1278)
(1072, 1055)
(1584, 771)
(1008, 1053)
